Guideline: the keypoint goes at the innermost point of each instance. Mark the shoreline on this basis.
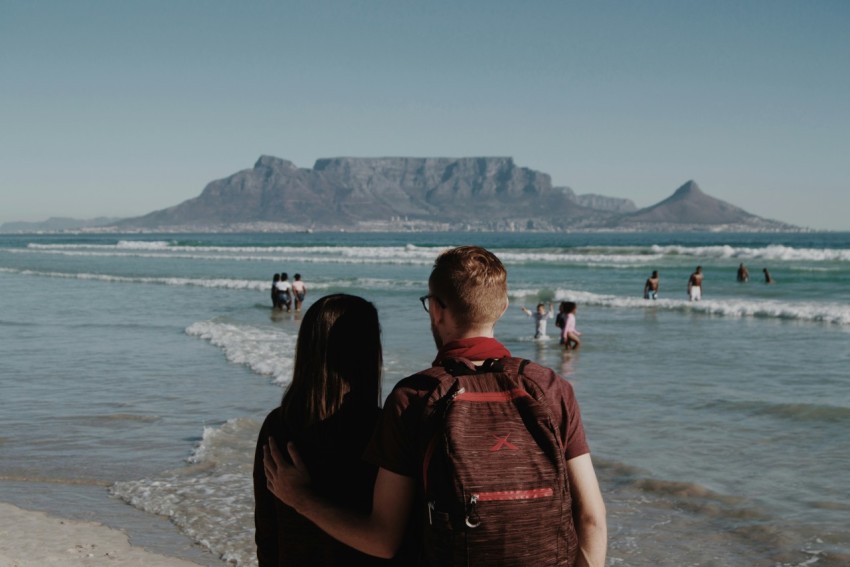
(36, 538)
(44, 523)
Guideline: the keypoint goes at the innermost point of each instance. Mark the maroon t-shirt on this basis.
(395, 445)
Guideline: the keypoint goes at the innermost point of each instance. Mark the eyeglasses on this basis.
(426, 299)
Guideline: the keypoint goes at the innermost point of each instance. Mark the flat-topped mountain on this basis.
(397, 193)
(347, 192)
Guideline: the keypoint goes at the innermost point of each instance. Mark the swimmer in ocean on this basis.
(695, 285)
(650, 288)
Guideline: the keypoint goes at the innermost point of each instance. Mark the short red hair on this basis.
(472, 282)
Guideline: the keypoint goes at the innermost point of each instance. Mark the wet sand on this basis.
(34, 538)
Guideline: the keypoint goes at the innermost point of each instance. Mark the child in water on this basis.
(540, 317)
(570, 336)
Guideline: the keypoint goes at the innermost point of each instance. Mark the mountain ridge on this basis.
(345, 192)
(436, 193)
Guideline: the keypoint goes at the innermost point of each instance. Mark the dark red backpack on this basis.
(494, 472)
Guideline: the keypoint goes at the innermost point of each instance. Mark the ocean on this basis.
(137, 369)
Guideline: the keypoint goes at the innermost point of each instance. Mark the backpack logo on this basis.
(503, 442)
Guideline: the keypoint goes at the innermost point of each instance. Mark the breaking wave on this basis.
(422, 255)
(220, 283)
(211, 499)
(267, 352)
(832, 313)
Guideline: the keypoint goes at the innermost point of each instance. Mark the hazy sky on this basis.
(119, 108)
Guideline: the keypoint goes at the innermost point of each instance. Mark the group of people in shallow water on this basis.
(650, 288)
(340, 481)
(284, 292)
(569, 336)
(744, 274)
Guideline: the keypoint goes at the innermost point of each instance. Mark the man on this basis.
(743, 273)
(650, 288)
(467, 294)
(695, 285)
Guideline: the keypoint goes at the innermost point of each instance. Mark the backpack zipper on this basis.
(429, 451)
(473, 521)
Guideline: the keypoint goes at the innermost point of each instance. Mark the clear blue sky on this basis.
(120, 108)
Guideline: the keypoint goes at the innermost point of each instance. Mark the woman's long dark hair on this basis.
(338, 353)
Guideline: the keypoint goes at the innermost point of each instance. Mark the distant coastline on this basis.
(397, 194)
(433, 194)
(390, 227)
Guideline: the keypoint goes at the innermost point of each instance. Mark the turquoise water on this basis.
(139, 368)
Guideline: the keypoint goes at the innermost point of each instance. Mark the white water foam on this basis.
(408, 255)
(774, 252)
(211, 500)
(832, 313)
(267, 352)
(220, 283)
(168, 253)
(143, 245)
(401, 255)
(418, 255)
(126, 244)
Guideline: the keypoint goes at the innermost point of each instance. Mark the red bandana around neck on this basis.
(474, 348)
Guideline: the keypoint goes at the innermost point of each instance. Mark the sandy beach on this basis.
(34, 538)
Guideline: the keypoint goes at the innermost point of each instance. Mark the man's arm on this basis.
(588, 512)
(379, 533)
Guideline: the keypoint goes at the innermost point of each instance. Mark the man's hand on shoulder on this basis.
(379, 533)
(288, 482)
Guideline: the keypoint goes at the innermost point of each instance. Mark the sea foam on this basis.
(423, 255)
(224, 283)
(774, 252)
(267, 352)
(211, 499)
(832, 313)
(220, 283)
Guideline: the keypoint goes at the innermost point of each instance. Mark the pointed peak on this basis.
(690, 187)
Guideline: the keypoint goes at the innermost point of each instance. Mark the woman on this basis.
(275, 303)
(329, 411)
